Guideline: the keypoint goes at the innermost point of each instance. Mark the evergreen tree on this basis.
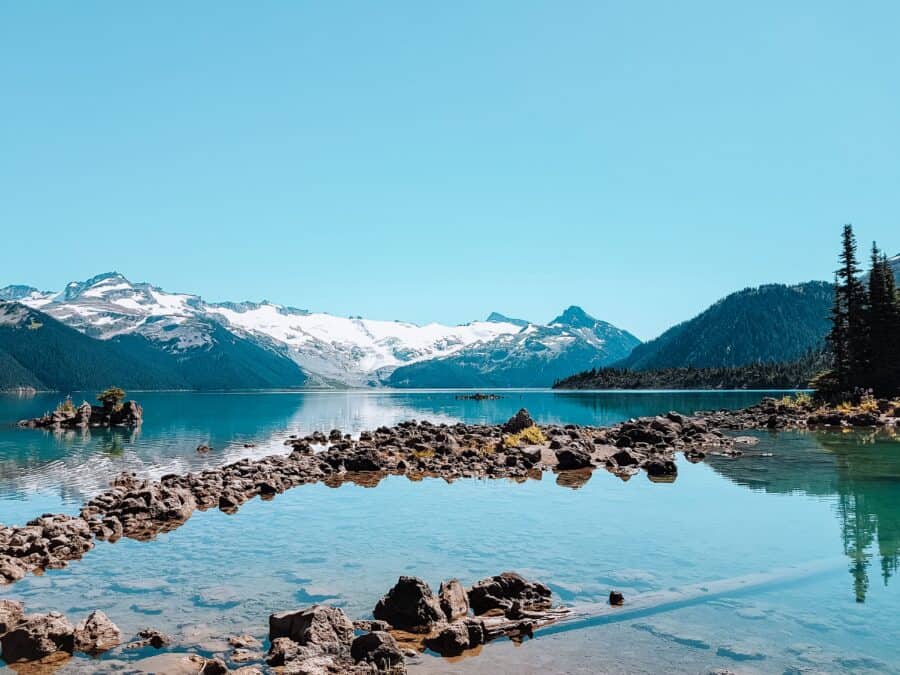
(837, 340)
(881, 320)
(854, 301)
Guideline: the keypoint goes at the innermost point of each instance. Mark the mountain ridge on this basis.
(288, 345)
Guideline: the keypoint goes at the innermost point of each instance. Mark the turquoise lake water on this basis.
(828, 502)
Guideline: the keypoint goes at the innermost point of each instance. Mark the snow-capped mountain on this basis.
(354, 350)
(532, 356)
(330, 350)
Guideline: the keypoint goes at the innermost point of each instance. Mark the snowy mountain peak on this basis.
(332, 350)
(574, 317)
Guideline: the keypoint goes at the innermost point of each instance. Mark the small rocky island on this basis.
(113, 411)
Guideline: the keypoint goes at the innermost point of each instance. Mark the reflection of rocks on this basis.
(574, 479)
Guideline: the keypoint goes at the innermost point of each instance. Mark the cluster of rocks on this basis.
(25, 638)
(127, 414)
(478, 397)
(775, 414)
(48, 542)
(502, 605)
(141, 509)
(408, 619)
(322, 639)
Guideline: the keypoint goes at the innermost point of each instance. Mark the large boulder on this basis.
(501, 591)
(518, 422)
(661, 468)
(11, 615)
(454, 600)
(96, 634)
(320, 625)
(409, 605)
(378, 648)
(572, 457)
(38, 636)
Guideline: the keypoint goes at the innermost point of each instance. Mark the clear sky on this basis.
(437, 161)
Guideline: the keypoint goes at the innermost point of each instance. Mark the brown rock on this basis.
(38, 636)
(409, 605)
(454, 600)
(318, 625)
(96, 634)
(11, 615)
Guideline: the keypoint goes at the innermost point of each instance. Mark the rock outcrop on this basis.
(500, 592)
(38, 636)
(410, 605)
(96, 634)
(127, 414)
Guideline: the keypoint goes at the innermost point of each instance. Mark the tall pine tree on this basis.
(881, 305)
(865, 335)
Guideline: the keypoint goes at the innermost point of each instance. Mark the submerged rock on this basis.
(150, 637)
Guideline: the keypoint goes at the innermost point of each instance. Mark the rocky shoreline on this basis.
(518, 450)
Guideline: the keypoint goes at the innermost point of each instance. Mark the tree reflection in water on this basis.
(860, 469)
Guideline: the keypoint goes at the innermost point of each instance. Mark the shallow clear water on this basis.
(832, 500)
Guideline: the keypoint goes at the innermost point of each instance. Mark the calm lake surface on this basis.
(822, 501)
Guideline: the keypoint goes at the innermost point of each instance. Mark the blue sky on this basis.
(437, 161)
